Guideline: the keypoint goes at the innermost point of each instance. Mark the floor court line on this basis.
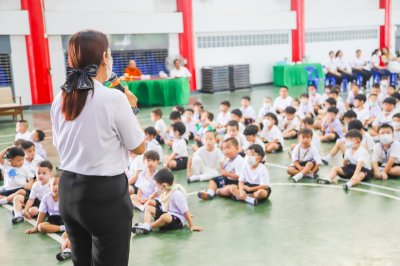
(363, 183)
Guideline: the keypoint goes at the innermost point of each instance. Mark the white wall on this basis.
(14, 22)
(20, 72)
(10, 5)
(57, 63)
(99, 6)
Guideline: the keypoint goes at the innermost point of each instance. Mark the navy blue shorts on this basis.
(222, 181)
(175, 223)
(181, 164)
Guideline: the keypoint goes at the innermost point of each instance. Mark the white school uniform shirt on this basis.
(161, 127)
(341, 63)
(383, 118)
(25, 136)
(272, 134)
(190, 126)
(258, 176)
(211, 159)
(49, 205)
(146, 184)
(258, 141)
(32, 165)
(179, 147)
(368, 141)
(15, 177)
(315, 99)
(374, 110)
(359, 63)
(234, 166)
(330, 65)
(301, 154)
(178, 205)
(153, 145)
(282, 103)
(38, 190)
(135, 164)
(375, 61)
(381, 156)
(362, 114)
(350, 96)
(316, 141)
(223, 118)
(249, 112)
(241, 139)
(182, 72)
(265, 110)
(294, 123)
(341, 107)
(97, 141)
(361, 154)
(304, 109)
(39, 150)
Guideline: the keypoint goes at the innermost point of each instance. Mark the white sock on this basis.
(3, 201)
(194, 178)
(298, 176)
(250, 200)
(18, 214)
(327, 157)
(211, 192)
(349, 184)
(67, 250)
(62, 228)
(147, 226)
(141, 208)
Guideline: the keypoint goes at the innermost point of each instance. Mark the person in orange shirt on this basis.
(132, 71)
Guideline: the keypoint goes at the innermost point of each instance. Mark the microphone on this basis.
(115, 83)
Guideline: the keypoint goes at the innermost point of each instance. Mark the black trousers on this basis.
(338, 79)
(366, 74)
(350, 77)
(97, 212)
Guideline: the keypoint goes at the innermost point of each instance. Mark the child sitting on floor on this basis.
(229, 173)
(189, 122)
(159, 125)
(283, 100)
(37, 139)
(331, 127)
(251, 135)
(236, 115)
(386, 155)
(249, 115)
(21, 128)
(223, 117)
(232, 131)
(179, 157)
(18, 179)
(290, 124)
(271, 135)
(151, 142)
(254, 184)
(39, 189)
(384, 117)
(171, 211)
(65, 253)
(266, 108)
(145, 182)
(49, 207)
(305, 157)
(206, 162)
(356, 164)
(31, 158)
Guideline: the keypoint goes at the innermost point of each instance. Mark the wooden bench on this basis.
(9, 104)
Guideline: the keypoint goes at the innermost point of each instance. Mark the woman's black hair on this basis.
(13, 152)
(164, 176)
(151, 155)
(273, 116)
(337, 53)
(150, 131)
(46, 164)
(41, 134)
(375, 51)
(180, 127)
(27, 144)
(257, 149)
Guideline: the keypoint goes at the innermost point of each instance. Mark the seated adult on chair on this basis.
(132, 71)
(343, 67)
(360, 67)
(390, 60)
(179, 71)
(332, 70)
(377, 66)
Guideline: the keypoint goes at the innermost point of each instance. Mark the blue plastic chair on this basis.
(312, 76)
(393, 79)
(330, 81)
(359, 80)
(376, 78)
(344, 84)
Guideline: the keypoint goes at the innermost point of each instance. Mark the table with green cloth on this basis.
(160, 92)
(294, 75)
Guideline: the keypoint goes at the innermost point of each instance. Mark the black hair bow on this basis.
(84, 82)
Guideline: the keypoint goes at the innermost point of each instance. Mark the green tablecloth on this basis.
(294, 75)
(161, 92)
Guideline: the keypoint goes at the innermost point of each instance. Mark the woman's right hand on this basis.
(131, 97)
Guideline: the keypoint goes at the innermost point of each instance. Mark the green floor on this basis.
(301, 224)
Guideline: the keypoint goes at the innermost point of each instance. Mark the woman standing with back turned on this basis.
(93, 130)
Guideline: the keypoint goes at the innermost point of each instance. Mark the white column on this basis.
(57, 63)
(20, 72)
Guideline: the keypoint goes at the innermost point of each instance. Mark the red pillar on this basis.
(38, 54)
(385, 29)
(186, 38)
(298, 34)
